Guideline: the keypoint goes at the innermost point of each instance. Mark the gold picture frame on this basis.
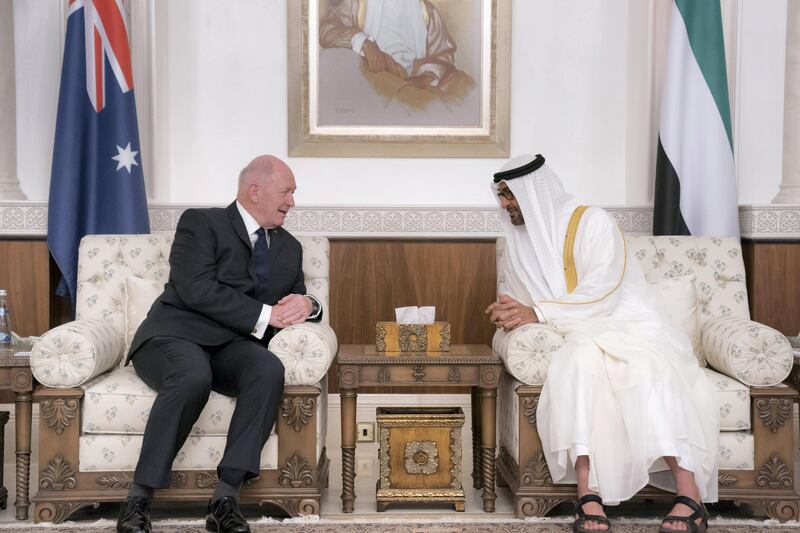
(328, 117)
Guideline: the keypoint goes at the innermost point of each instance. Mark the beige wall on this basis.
(584, 94)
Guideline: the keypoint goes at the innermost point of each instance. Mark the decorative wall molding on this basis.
(769, 222)
(24, 219)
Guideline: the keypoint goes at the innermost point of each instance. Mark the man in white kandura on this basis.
(625, 390)
(407, 38)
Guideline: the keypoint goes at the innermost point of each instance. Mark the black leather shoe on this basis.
(134, 516)
(225, 516)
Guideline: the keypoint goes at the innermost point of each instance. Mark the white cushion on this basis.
(677, 299)
(716, 263)
(752, 353)
(306, 351)
(733, 399)
(75, 352)
(526, 351)
(104, 261)
(115, 411)
(120, 402)
(736, 451)
(139, 297)
(316, 265)
(120, 453)
(508, 413)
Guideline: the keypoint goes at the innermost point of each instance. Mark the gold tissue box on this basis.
(420, 455)
(395, 337)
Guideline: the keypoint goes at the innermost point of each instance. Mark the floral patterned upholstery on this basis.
(75, 352)
(526, 351)
(747, 351)
(306, 351)
(104, 261)
(120, 402)
(736, 451)
(109, 453)
(115, 410)
(316, 264)
(716, 263)
(139, 297)
(508, 413)
(734, 402)
(753, 353)
(117, 404)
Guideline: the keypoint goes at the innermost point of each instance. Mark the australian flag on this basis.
(96, 185)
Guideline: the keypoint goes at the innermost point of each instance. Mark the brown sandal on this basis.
(691, 525)
(577, 525)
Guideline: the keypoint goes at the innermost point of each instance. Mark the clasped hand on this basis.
(507, 313)
(380, 61)
(291, 309)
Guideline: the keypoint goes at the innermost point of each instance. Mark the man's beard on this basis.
(516, 217)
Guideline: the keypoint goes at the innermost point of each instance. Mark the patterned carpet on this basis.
(311, 525)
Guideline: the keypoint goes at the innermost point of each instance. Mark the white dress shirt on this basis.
(251, 226)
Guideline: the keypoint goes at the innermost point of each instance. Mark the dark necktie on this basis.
(261, 257)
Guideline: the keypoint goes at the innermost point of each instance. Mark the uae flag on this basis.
(696, 190)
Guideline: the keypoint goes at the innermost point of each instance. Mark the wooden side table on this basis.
(794, 376)
(15, 375)
(360, 365)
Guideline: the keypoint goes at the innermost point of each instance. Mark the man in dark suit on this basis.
(236, 277)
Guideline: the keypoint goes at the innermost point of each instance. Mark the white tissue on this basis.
(415, 315)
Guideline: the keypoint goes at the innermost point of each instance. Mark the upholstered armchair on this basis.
(701, 280)
(93, 409)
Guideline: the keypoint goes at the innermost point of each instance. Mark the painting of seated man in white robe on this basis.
(399, 63)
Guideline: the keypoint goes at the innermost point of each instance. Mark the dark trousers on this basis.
(184, 374)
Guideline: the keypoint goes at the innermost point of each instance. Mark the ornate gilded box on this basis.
(420, 455)
(396, 337)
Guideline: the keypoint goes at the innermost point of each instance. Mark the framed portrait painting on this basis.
(399, 78)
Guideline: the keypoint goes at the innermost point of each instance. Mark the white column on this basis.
(789, 191)
(142, 38)
(9, 183)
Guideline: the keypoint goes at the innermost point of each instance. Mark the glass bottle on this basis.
(5, 320)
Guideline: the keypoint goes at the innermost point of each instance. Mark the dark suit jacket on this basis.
(212, 294)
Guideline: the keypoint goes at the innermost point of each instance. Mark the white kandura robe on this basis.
(625, 389)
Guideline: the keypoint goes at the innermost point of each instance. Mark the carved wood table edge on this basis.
(793, 379)
(16, 376)
(474, 365)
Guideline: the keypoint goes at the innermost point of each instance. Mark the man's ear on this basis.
(254, 192)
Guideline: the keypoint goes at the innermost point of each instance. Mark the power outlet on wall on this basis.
(365, 432)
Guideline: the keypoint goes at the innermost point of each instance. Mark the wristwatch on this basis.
(315, 306)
